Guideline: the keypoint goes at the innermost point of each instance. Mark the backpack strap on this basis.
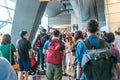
(101, 44)
(88, 45)
(61, 51)
(60, 44)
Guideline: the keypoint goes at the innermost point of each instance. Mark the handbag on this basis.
(16, 65)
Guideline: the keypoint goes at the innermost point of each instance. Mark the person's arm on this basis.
(16, 53)
(30, 48)
(30, 51)
(45, 47)
(79, 54)
(63, 48)
(64, 52)
(14, 50)
(73, 49)
(78, 72)
(44, 51)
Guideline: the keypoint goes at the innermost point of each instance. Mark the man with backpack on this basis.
(40, 41)
(54, 50)
(94, 61)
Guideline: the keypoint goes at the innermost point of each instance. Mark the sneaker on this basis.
(64, 74)
(41, 72)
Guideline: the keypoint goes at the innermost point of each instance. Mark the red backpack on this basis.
(38, 43)
(32, 60)
(54, 55)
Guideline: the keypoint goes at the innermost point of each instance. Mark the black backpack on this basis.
(98, 62)
(41, 40)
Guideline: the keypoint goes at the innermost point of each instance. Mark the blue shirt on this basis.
(6, 71)
(48, 42)
(81, 49)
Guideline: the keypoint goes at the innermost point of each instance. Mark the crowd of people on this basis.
(62, 54)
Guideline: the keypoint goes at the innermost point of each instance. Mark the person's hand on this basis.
(79, 79)
(16, 53)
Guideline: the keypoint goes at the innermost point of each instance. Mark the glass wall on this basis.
(7, 8)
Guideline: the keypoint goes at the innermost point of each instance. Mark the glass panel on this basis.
(6, 28)
(2, 2)
(12, 14)
(10, 3)
(4, 14)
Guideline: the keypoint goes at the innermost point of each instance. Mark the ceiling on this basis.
(55, 8)
(83, 9)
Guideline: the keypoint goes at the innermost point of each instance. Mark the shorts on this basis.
(24, 66)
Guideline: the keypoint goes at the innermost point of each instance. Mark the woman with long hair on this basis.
(69, 43)
(78, 37)
(7, 49)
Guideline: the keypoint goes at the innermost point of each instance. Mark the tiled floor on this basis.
(43, 78)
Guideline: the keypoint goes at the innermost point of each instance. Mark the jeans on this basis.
(38, 58)
(41, 59)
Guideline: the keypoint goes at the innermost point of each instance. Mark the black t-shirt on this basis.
(23, 47)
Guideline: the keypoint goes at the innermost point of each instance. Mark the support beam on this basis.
(84, 9)
(27, 17)
(100, 10)
(39, 15)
